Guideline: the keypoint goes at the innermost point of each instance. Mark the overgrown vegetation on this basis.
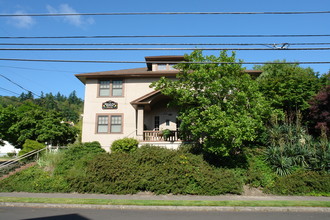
(86, 168)
(302, 182)
(220, 105)
(290, 147)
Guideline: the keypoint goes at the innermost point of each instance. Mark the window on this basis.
(171, 66)
(162, 67)
(110, 88)
(102, 124)
(167, 122)
(115, 125)
(117, 88)
(104, 88)
(165, 66)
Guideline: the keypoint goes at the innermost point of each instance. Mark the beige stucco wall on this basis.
(133, 88)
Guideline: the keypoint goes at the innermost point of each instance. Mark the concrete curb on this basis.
(171, 208)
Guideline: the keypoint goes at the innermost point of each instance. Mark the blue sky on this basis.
(59, 77)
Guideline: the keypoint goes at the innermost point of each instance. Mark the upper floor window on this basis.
(110, 88)
(171, 66)
(164, 66)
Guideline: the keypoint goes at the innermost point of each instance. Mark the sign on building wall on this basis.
(110, 105)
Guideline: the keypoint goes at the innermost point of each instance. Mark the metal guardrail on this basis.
(31, 153)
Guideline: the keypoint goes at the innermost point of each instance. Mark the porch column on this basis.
(140, 121)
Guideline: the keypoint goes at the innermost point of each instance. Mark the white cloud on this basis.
(76, 20)
(22, 21)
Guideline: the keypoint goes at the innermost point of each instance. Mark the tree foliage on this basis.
(220, 105)
(30, 121)
(288, 86)
(69, 107)
(319, 112)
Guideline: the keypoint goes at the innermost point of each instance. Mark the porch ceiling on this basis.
(149, 99)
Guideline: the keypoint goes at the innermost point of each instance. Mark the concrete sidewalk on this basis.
(150, 196)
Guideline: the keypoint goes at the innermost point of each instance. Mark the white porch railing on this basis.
(158, 136)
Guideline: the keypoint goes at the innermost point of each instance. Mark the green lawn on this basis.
(168, 202)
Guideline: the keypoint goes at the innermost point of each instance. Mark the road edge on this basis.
(170, 208)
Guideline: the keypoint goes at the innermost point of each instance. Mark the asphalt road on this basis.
(15, 213)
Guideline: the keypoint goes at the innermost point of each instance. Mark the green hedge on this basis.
(157, 170)
(302, 183)
(34, 179)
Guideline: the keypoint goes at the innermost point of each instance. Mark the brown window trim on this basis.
(109, 123)
(110, 96)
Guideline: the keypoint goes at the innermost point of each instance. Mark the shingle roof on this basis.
(143, 72)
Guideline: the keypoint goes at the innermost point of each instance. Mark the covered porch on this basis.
(156, 121)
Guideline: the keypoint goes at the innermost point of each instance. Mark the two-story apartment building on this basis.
(120, 104)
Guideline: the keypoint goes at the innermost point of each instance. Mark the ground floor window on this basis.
(110, 123)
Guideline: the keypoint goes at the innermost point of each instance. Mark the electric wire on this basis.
(99, 49)
(146, 62)
(19, 85)
(168, 36)
(38, 69)
(157, 44)
(7, 90)
(166, 13)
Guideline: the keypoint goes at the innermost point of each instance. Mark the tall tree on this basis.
(288, 86)
(220, 105)
(32, 122)
(319, 113)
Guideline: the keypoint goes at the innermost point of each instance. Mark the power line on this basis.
(7, 90)
(169, 36)
(27, 68)
(125, 49)
(166, 13)
(157, 44)
(174, 62)
(18, 85)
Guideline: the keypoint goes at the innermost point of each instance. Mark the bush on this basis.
(290, 148)
(124, 145)
(11, 154)
(30, 145)
(258, 173)
(157, 170)
(34, 179)
(302, 183)
(54, 170)
(76, 154)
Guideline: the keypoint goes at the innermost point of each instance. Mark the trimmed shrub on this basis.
(124, 145)
(302, 183)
